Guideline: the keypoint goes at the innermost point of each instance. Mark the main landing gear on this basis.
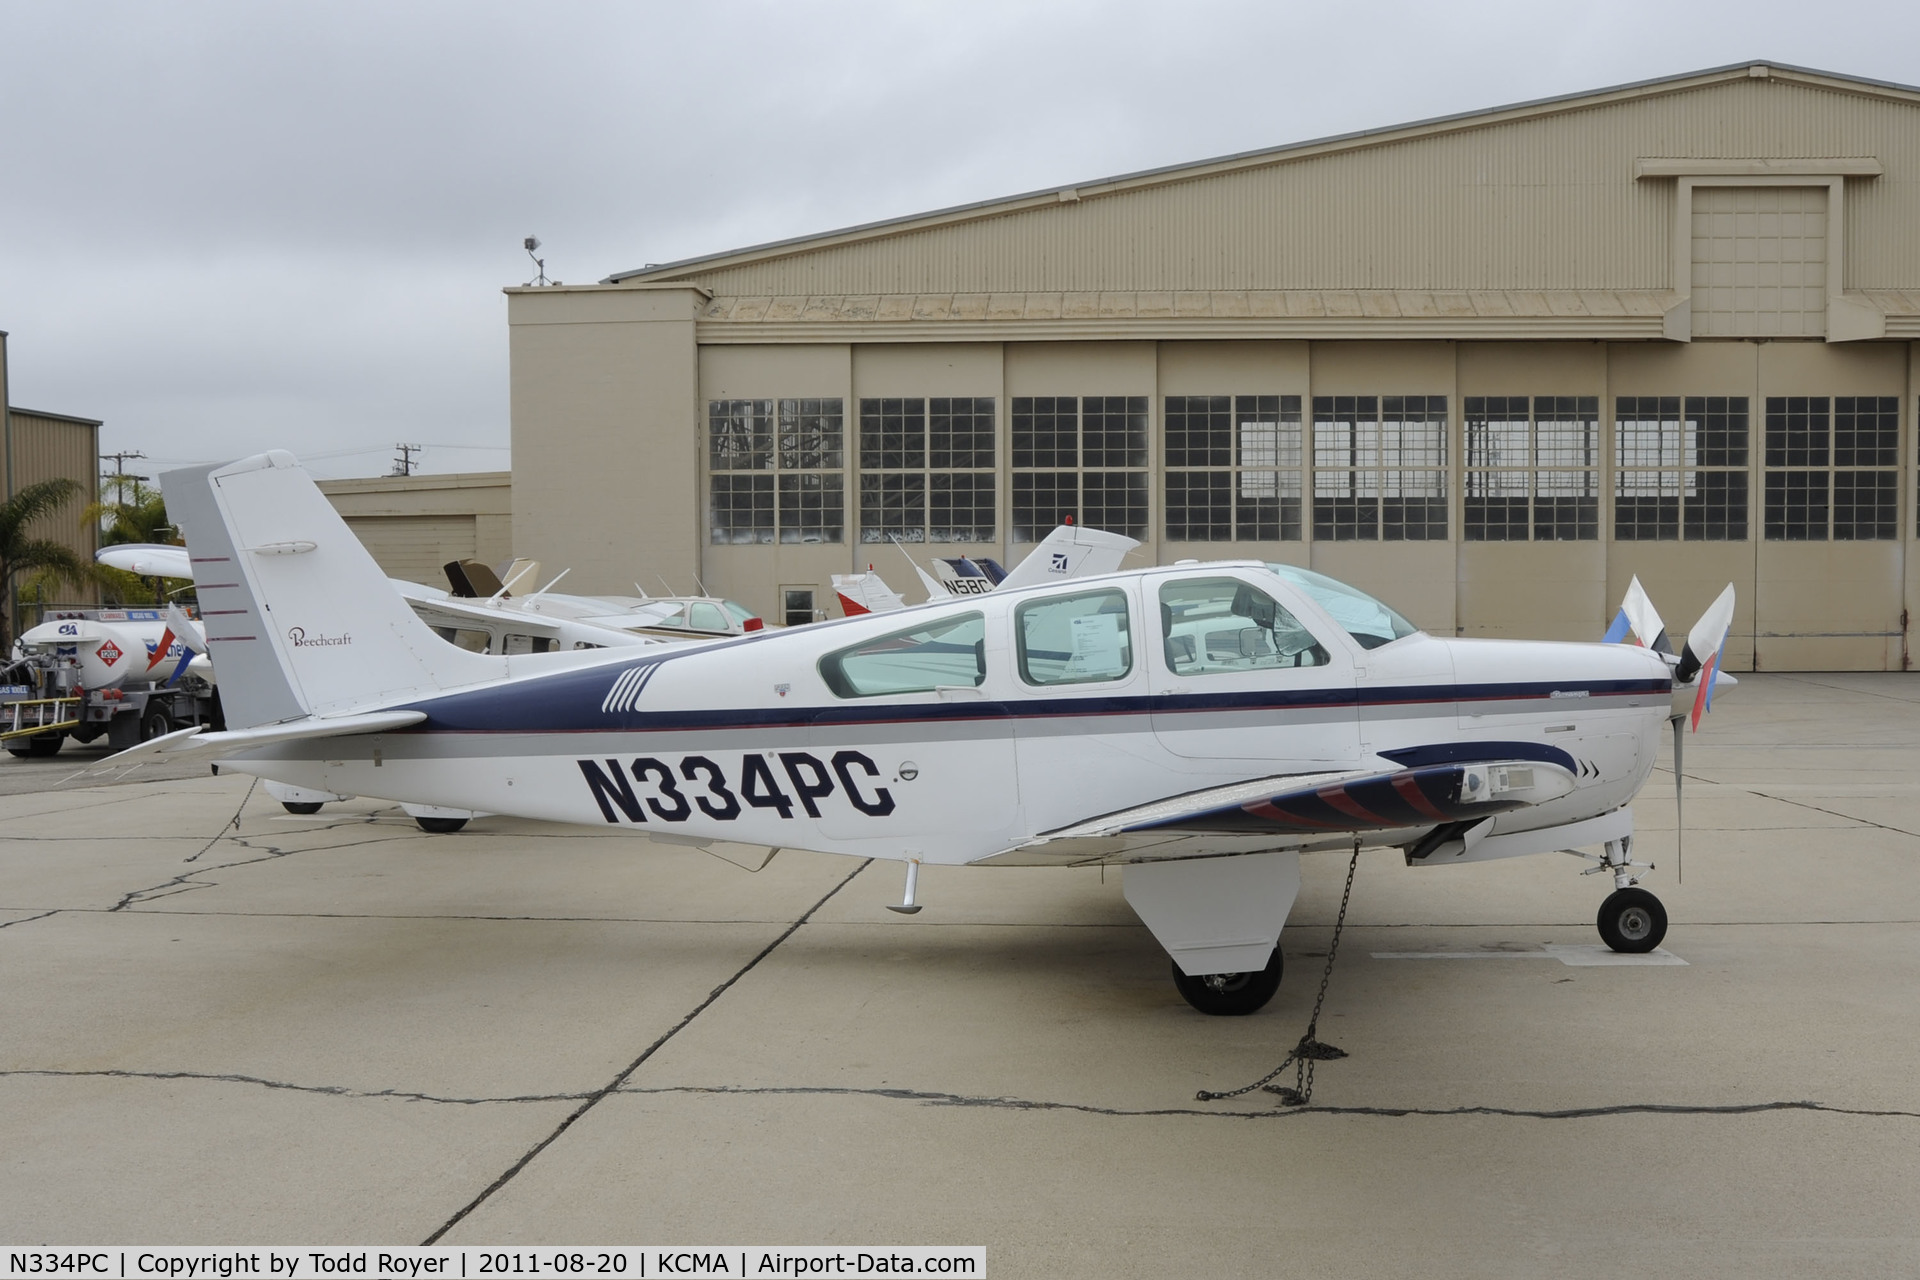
(1631, 919)
(1230, 995)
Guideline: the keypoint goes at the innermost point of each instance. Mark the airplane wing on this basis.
(148, 559)
(1295, 809)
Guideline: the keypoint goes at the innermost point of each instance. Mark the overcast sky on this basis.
(237, 226)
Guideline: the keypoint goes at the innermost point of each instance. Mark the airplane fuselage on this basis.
(957, 731)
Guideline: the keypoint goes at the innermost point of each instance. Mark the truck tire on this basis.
(156, 725)
(37, 747)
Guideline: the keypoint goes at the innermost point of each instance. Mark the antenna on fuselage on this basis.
(508, 584)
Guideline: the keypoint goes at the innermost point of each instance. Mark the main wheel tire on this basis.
(158, 724)
(1230, 995)
(301, 807)
(1632, 920)
(441, 826)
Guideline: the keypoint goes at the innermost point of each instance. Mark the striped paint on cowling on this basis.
(1419, 797)
(626, 690)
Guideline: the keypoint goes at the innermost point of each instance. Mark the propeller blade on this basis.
(1708, 634)
(1679, 802)
(1644, 618)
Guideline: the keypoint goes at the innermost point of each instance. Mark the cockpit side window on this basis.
(935, 655)
(1074, 639)
(1369, 622)
(1210, 626)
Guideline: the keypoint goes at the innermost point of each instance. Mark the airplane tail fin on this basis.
(299, 619)
(1071, 551)
(865, 593)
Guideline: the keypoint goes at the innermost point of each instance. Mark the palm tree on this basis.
(20, 552)
(138, 513)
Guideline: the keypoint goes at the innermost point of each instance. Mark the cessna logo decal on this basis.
(650, 783)
(1058, 563)
(301, 640)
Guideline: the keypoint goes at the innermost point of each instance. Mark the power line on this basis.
(120, 475)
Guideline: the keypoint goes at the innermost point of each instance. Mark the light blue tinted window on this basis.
(708, 617)
(1366, 619)
(1216, 625)
(1074, 639)
(946, 653)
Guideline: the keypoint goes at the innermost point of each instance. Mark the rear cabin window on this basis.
(708, 617)
(1210, 626)
(948, 653)
(1074, 639)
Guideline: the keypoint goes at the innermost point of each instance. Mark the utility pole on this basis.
(403, 465)
(120, 476)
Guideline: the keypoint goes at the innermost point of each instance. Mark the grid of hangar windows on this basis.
(1244, 468)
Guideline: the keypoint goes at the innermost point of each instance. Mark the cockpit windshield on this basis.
(1366, 619)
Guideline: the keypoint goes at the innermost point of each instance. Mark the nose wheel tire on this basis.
(1230, 995)
(1632, 920)
(441, 826)
(301, 807)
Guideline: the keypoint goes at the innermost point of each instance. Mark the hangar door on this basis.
(1759, 262)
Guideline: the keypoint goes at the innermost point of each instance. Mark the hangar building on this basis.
(1487, 366)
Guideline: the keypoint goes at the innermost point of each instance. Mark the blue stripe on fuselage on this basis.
(570, 702)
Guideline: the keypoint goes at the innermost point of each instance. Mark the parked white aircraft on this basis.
(1203, 724)
(1070, 551)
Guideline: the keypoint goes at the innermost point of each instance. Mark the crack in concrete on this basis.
(8, 924)
(1850, 817)
(1798, 804)
(601, 1094)
(1028, 1104)
(999, 1102)
(329, 1090)
(1839, 688)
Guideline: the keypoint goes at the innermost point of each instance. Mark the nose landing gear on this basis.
(1631, 920)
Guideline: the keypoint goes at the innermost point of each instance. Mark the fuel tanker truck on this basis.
(127, 674)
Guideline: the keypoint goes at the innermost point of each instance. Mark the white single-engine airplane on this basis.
(1203, 724)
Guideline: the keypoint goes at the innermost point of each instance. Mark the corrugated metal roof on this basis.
(1256, 312)
(17, 411)
(1247, 159)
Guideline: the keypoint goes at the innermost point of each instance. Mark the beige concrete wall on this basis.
(1801, 605)
(607, 429)
(413, 525)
